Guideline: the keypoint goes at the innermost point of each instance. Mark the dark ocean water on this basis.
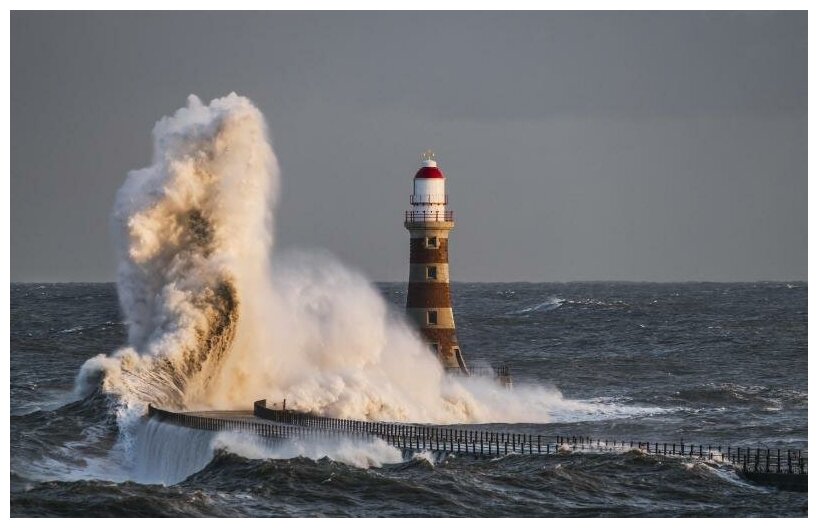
(707, 363)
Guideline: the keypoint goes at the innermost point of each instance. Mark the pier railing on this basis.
(267, 429)
(494, 443)
(784, 468)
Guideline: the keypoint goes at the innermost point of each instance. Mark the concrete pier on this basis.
(781, 468)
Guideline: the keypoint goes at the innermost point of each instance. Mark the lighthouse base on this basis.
(499, 373)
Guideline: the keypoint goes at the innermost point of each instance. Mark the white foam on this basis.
(552, 303)
(350, 451)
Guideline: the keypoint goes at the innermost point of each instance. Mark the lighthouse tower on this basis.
(429, 302)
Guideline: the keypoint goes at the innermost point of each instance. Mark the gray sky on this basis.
(578, 146)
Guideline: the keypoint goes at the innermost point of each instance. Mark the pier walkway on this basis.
(783, 468)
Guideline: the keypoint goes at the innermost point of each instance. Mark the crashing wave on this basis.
(214, 322)
(186, 228)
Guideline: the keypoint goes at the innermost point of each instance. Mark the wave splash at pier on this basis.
(214, 321)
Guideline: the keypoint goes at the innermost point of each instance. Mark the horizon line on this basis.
(573, 281)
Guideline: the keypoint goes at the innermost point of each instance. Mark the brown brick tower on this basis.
(429, 302)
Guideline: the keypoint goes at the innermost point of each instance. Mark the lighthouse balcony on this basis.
(414, 217)
(428, 199)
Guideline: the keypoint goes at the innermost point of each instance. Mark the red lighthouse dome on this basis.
(429, 169)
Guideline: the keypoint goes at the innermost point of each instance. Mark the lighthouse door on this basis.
(459, 357)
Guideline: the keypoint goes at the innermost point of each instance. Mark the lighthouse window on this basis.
(431, 317)
(431, 242)
(431, 272)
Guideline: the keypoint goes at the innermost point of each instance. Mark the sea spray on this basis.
(193, 234)
(214, 322)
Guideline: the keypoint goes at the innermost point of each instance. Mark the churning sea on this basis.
(707, 363)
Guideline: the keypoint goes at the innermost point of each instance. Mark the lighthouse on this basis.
(428, 301)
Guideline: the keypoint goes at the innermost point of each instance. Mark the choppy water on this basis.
(710, 363)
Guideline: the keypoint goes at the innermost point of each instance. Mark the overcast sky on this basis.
(578, 146)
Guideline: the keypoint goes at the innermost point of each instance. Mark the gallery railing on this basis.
(428, 216)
